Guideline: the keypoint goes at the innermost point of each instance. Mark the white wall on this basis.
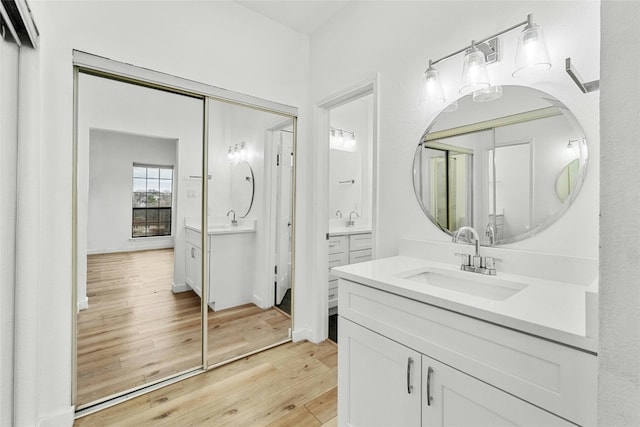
(9, 54)
(619, 353)
(397, 39)
(112, 155)
(219, 43)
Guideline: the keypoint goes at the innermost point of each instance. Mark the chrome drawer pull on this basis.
(409, 385)
(429, 397)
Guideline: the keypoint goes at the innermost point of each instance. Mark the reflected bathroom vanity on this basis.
(347, 245)
(231, 262)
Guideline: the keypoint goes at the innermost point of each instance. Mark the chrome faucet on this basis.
(491, 233)
(352, 221)
(479, 264)
(234, 223)
(339, 213)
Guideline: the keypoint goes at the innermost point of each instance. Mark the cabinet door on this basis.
(193, 267)
(452, 398)
(379, 381)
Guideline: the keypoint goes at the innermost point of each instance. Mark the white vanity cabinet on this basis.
(381, 380)
(346, 249)
(231, 260)
(404, 362)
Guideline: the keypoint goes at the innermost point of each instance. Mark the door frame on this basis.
(99, 66)
(321, 132)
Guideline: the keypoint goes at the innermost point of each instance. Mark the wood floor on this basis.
(137, 331)
(289, 385)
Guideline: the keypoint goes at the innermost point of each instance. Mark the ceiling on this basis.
(303, 16)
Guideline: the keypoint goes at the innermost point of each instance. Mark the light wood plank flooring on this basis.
(137, 331)
(289, 385)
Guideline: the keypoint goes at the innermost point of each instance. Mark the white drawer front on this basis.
(336, 260)
(338, 244)
(360, 241)
(332, 284)
(193, 237)
(557, 378)
(359, 256)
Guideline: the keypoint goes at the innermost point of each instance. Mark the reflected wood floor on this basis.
(137, 331)
(294, 384)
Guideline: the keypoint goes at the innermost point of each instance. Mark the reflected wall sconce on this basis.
(531, 54)
(237, 152)
(342, 139)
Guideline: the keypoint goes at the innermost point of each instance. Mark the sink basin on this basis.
(488, 287)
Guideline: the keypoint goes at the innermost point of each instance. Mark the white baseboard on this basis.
(83, 303)
(301, 335)
(258, 301)
(136, 245)
(179, 287)
(63, 418)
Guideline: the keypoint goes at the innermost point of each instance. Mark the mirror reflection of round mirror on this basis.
(242, 188)
(508, 168)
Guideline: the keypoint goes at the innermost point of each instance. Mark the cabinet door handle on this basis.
(193, 252)
(429, 397)
(409, 385)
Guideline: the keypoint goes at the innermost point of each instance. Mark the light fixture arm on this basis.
(528, 21)
(585, 87)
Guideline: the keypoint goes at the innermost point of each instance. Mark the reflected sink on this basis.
(488, 287)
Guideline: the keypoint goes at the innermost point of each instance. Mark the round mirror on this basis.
(508, 168)
(242, 188)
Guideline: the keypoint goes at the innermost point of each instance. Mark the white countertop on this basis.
(345, 231)
(242, 227)
(547, 309)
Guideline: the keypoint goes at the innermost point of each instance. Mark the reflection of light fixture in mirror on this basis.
(479, 54)
(474, 71)
(451, 107)
(432, 91)
(531, 54)
(343, 140)
(237, 152)
(488, 94)
(572, 152)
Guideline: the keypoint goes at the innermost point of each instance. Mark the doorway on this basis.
(348, 125)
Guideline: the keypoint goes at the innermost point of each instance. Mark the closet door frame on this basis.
(99, 66)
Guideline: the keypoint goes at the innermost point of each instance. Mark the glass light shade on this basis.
(531, 54)
(474, 72)
(488, 94)
(432, 91)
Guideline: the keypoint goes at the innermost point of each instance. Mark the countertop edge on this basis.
(582, 343)
(214, 231)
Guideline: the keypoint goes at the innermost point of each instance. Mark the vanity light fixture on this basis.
(432, 86)
(474, 71)
(531, 53)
